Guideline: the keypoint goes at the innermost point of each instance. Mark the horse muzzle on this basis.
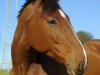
(79, 71)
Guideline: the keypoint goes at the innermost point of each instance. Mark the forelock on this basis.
(49, 6)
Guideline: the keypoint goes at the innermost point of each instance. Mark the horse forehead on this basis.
(62, 13)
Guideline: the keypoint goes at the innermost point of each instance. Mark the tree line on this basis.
(84, 36)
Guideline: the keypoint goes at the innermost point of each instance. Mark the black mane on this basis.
(49, 6)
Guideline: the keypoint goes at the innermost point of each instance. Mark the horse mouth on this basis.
(49, 65)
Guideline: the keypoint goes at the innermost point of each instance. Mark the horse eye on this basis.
(52, 21)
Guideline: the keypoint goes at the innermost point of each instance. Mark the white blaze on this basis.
(81, 46)
(63, 15)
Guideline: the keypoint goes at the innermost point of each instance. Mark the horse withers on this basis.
(44, 36)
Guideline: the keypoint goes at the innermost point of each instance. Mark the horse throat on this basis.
(49, 65)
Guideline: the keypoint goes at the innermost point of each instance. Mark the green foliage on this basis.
(4, 72)
(84, 36)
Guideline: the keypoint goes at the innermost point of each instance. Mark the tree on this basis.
(84, 36)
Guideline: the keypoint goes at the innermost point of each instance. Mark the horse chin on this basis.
(49, 65)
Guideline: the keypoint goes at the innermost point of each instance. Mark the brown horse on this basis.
(93, 53)
(36, 69)
(44, 36)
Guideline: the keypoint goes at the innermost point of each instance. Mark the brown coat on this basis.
(93, 53)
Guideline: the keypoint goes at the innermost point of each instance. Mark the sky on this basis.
(84, 15)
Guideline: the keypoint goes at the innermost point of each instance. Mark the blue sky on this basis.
(84, 15)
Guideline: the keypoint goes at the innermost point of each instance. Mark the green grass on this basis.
(4, 72)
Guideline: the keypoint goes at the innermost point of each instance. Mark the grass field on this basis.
(4, 72)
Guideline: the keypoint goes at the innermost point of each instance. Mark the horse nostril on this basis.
(69, 70)
(80, 69)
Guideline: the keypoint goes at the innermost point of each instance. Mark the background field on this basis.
(4, 72)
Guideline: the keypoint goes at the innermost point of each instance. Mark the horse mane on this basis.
(49, 6)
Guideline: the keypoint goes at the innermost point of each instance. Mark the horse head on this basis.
(49, 31)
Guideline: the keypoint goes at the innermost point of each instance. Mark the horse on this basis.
(36, 69)
(93, 54)
(45, 40)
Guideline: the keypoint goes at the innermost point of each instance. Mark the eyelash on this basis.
(52, 21)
